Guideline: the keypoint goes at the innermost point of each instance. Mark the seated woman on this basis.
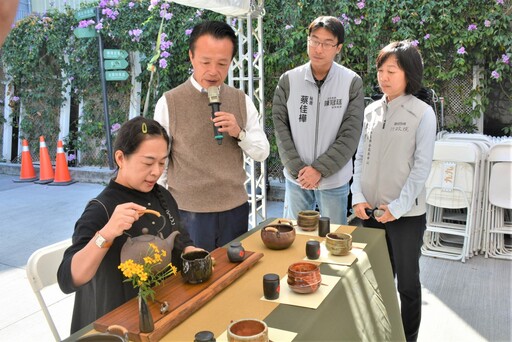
(90, 266)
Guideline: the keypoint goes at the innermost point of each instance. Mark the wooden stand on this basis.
(183, 298)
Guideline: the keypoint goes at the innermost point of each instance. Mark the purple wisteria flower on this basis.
(233, 22)
(166, 15)
(131, 4)
(164, 44)
(487, 23)
(350, 45)
(505, 58)
(152, 4)
(162, 63)
(427, 36)
(165, 54)
(360, 5)
(395, 19)
(115, 127)
(15, 98)
(495, 74)
(472, 27)
(499, 2)
(415, 42)
(461, 50)
(165, 6)
(71, 157)
(188, 32)
(135, 34)
(344, 19)
(287, 27)
(86, 23)
(357, 21)
(198, 13)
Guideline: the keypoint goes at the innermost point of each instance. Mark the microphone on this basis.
(214, 98)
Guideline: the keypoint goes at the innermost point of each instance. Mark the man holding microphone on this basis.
(205, 172)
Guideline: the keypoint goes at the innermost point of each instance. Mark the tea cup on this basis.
(197, 266)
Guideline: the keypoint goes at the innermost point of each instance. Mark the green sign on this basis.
(114, 54)
(85, 13)
(116, 75)
(85, 32)
(115, 64)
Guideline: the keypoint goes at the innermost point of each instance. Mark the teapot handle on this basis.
(285, 221)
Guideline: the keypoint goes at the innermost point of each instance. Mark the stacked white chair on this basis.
(499, 202)
(483, 143)
(453, 190)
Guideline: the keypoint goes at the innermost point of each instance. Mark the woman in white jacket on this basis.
(392, 164)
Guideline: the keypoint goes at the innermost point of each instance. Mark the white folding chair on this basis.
(450, 197)
(499, 205)
(42, 269)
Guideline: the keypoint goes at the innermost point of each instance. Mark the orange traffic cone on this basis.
(27, 173)
(62, 176)
(45, 165)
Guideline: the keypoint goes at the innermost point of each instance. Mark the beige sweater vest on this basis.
(203, 176)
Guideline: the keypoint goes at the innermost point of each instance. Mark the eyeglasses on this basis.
(326, 46)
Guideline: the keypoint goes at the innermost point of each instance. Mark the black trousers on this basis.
(404, 238)
(212, 230)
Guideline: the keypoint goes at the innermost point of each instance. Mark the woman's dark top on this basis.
(106, 290)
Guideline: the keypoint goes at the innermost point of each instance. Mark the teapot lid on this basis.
(235, 244)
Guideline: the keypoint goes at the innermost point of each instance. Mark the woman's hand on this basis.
(359, 210)
(122, 219)
(387, 216)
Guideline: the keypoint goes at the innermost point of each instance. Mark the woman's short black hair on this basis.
(133, 132)
(331, 24)
(408, 59)
(216, 29)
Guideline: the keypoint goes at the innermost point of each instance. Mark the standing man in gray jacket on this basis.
(317, 112)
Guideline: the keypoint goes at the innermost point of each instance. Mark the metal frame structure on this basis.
(246, 73)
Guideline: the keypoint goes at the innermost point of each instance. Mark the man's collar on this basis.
(197, 85)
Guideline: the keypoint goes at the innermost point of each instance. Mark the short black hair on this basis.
(216, 29)
(409, 59)
(331, 24)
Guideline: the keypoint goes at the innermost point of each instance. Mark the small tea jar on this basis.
(204, 336)
(236, 252)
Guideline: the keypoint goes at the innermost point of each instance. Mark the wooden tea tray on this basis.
(183, 298)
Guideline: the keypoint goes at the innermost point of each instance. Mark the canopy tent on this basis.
(247, 71)
(230, 8)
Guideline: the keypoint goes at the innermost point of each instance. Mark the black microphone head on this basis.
(213, 94)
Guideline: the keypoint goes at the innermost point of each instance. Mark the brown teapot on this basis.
(136, 248)
(279, 235)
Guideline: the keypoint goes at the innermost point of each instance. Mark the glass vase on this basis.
(146, 324)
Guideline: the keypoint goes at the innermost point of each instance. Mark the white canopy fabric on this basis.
(232, 8)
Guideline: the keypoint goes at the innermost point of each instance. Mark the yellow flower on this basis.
(143, 276)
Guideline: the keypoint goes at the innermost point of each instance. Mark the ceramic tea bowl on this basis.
(248, 330)
(338, 243)
(304, 277)
(307, 220)
(278, 236)
(197, 266)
